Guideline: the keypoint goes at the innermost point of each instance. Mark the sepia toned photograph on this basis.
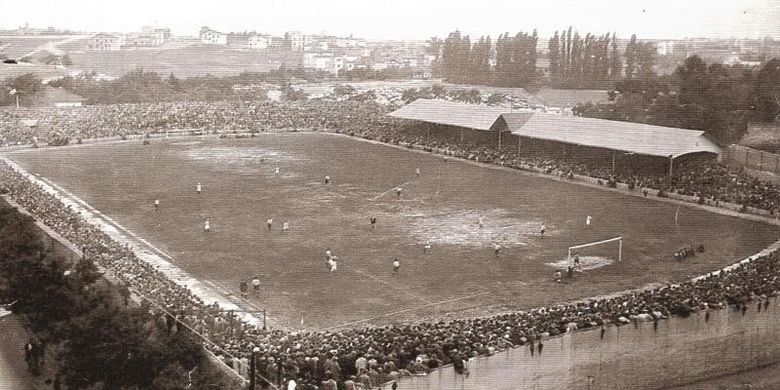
(394, 195)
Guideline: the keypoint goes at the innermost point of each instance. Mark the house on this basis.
(422, 75)
(294, 40)
(328, 62)
(163, 34)
(104, 42)
(736, 59)
(238, 40)
(212, 37)
(148, 37)
(259, 42)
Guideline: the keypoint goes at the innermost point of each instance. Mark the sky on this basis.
(408, 19)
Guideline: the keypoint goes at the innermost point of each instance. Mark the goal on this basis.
(604, 248)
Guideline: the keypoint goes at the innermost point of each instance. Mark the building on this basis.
(104, 42)
(329, 62)
(212, 37)
(736, 59)
(259, 42)
(294, 40)
(238, 40)
(163, 34)
(148, 37)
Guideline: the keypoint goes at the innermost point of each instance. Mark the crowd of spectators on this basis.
(40, 126)
(710, 181)
(374, 355)
(366, 357)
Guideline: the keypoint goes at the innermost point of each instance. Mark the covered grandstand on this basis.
(532, 132)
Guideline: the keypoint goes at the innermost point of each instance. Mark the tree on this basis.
(632, 57)
(25, 87)
(455, 56)
(615, 63)
(342, 90)
(554, 54)
(471, 96)
(767, 91)
(479, 62)
(438, 91)
(694, 81)
(646, 59)
(495, 99)
(291, 94)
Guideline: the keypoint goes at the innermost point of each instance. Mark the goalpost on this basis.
(592, 244)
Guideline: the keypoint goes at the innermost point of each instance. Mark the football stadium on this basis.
(409, 237)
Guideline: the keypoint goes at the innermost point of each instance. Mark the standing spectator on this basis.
(244, 288)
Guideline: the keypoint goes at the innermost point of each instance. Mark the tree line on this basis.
(510, 62)
(100, 341)
(575, 61)
(140, 86)
(716, 98)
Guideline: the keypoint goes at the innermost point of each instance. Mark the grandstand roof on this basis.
(630, 137)
(623, 136)
(445, 112)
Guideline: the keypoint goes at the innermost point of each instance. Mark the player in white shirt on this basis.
(276, 171)
(206, 226)
(198, 188)
(328, 256)
(396, 266)
(285, 226)
(333, 262)
(269, 222)
(417, 171)
(480, 223)
(398, 191)
(542, 230)
(327, 179)
(256, 285)
(427, 248)
(497, 249)
(156, 204)
(587, 220)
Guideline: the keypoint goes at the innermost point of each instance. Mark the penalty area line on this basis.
(392, 189)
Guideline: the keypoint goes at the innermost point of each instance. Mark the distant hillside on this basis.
(183, 61)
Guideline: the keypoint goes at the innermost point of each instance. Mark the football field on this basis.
(441, 207)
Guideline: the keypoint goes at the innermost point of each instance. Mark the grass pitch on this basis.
(461, 276)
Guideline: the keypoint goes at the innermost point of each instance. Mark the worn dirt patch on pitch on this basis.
(461, 227)
(586, 263)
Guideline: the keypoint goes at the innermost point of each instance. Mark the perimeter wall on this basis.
(637, 356)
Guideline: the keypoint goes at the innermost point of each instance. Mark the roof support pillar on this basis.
(519, 144)
(613, 163)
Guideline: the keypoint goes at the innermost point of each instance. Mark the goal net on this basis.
(595, 254)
